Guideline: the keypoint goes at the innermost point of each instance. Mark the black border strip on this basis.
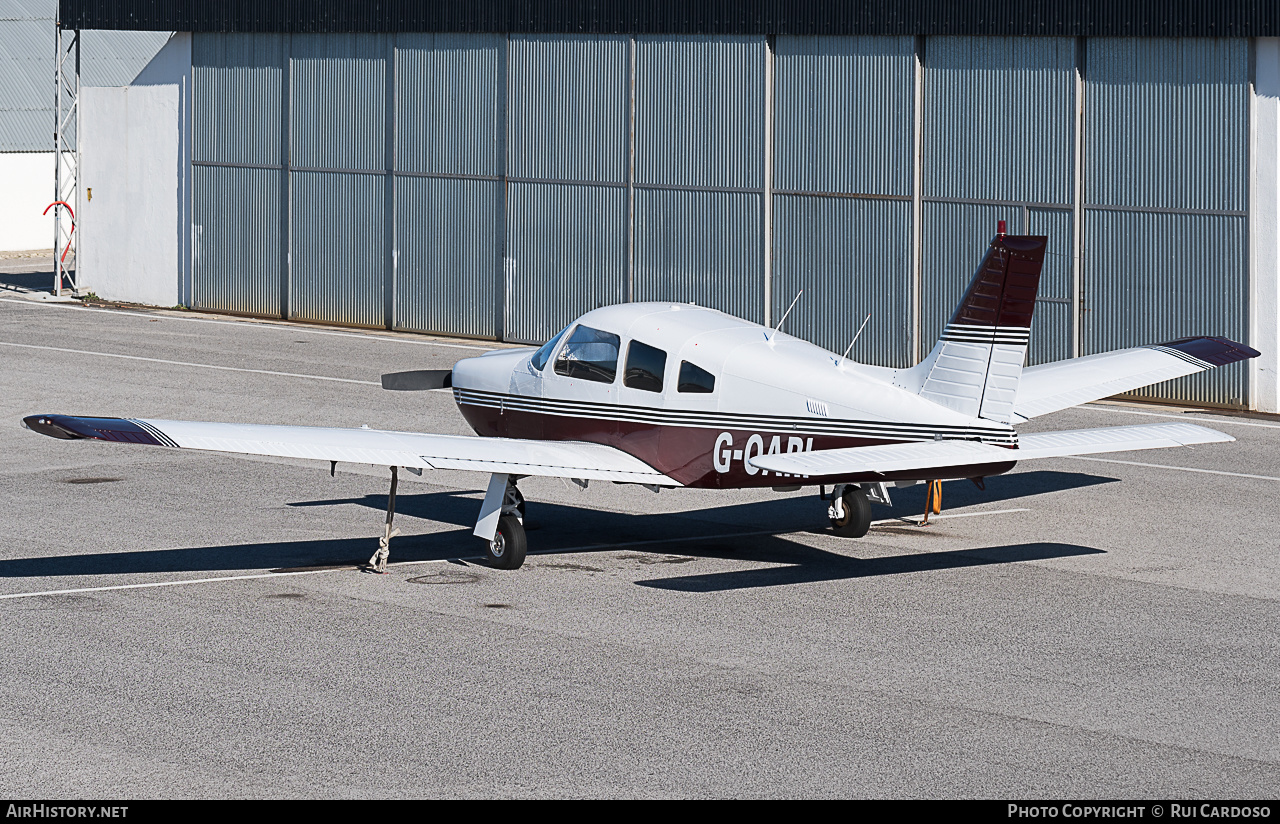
(1016, 18)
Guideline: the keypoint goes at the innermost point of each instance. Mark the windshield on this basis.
(590, 354)
(543, 354)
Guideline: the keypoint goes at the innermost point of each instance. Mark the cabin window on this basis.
(695, 379)
(543, 354)
(590, 354)
(645, 365)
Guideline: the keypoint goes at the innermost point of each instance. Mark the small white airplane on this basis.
(675, 395)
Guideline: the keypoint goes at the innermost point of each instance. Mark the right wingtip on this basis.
(1215, 351)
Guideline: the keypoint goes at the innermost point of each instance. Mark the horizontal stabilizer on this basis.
(1053, 386)
(926, 456)
(1115, 439)
(558, 459)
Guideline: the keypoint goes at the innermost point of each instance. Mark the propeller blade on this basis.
(418, 380)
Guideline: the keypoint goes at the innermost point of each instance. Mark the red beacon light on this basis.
(1001, 228)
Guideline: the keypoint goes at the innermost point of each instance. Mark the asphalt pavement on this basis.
(182, 624)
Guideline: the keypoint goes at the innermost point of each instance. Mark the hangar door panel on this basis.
(447, 255)
(448, 191)
(999, 144)
(567, 154)
(338, 185)
(1166, 199)
(699, 172)
(843, 149)
(338, 271)
(237, 247)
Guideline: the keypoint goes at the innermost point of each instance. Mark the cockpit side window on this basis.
(695, 379)
(645, 365)
(543, 354)
(590, 354)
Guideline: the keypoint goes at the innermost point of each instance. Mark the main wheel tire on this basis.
(857, 515)
(507, 549)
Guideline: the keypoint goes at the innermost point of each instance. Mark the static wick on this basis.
(857, 335)
(784, 315)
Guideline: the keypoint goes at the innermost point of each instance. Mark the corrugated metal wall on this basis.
(699, 160)
(568, 140)
(236, 240)
(844, 137)
(1166, 199)
(338, 271)
(500, 185)
(238, 151)
(999, 132)
(448, 189)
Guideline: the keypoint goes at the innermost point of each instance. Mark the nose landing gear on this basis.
(501, 523)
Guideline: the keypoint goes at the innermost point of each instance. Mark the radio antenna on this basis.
(855, 337)
(784, 315)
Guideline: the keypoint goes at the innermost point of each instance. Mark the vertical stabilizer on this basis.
(975, 366)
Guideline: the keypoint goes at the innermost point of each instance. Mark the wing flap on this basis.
(567, 459)
(939, 455)
(884, 458)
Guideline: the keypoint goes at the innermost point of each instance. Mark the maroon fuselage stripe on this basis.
(690, 454)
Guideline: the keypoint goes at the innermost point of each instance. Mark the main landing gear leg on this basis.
(501, 523)
(378, 563)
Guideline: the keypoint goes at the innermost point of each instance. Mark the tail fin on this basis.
(976, 364)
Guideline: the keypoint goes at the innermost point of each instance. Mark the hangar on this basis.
(493, 169)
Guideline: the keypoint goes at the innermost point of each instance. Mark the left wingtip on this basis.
(48, 425)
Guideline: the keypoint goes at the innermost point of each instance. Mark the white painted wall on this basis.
(1264, 228)
(133, 172)
(26, 187)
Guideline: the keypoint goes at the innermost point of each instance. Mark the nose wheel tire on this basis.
(856, 519)
(507, 549)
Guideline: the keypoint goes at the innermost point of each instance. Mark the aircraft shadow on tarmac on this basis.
(444, 508)
(557, 527)
(806, 565)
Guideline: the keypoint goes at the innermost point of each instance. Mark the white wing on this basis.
(1053, 386)
(566, 459)
(929, 456)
